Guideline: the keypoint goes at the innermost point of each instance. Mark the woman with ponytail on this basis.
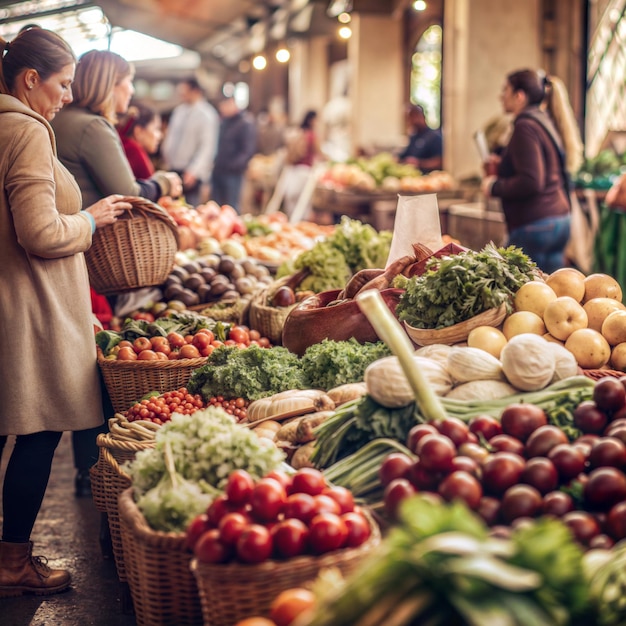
(532, 176)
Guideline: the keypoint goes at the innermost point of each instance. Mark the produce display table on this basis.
(374, 207)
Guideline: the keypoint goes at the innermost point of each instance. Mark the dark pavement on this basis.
(67, 532)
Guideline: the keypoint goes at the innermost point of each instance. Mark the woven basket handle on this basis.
(146, 208)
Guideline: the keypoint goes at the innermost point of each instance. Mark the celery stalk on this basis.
(389, 330)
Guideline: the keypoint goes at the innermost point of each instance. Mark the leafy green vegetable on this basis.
(332, 363)
(458, 287)
(353, 246)
(252, 373)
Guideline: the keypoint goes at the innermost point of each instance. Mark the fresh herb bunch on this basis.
(332, 363)
(455, 288)
(251, 374)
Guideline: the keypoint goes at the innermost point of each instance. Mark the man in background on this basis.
(191, 140)
(425, 147)
(236, 146)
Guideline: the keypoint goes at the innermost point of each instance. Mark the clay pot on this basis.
(313, 320)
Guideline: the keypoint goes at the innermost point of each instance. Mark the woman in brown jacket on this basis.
(48, 363)
(532, 178)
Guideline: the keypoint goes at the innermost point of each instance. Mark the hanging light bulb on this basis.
(259, 62)
(283, 55)
(344, 18)
(345, 32)
(419, 5)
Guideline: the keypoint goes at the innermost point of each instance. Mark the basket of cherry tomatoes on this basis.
(133, 369)
(263, 537)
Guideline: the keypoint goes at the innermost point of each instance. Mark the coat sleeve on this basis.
(41, 230)
(201, 164)
(103, 157)
(528, 162)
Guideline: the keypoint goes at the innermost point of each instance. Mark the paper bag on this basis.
(416, 221)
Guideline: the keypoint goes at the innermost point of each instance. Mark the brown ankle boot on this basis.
(22, 573)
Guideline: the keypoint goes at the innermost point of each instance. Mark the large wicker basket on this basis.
(163, 589)
(269, 320)
(602, 372)
(136, 251)
(458, 332)
(112, 454)
(128, 381)
(234, 591)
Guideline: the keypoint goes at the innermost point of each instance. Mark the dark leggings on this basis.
(25, 482)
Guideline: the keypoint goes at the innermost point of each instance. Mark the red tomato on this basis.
(197, 527)
(163, 348)
(326, 504)
(217, 509)
(268, 499)
(308, 480)
(158, 341)
(342, 496)
(282, 477)
(143, 315)
(327, 532)
(160, 356)
(395, 492)
(207, 351)
(290, 538)
(126, 354)
(231, 527)
(141, 343)
(209, 333)
(176, 340)
(254, 544)
(290, 604)
(239, 335)
(147, 355)
(189, 351)
(125, 344)
(201, 341)
(300, 506)
(254, 335)
(239, 487)
(358, 529)
(209, 548)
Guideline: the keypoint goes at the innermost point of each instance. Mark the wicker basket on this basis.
(235, 312)
(136, 251)
(128, 381)
(232, 592)
(601, 373)
(458, 332)
(112, 453)
(269, 320)
(163, 589)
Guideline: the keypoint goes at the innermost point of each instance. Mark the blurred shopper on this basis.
(425, 146)
(141, 136)
(235, 148)
(532, 176)
(270, 133)
(47, 352)
(191, 140)
(90, 147)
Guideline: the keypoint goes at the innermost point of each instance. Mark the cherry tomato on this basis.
(609, 394)
(394, 465)
(520, 419)
(308, 480)
(267, 500)
(453, 428)
(254, 544)
(616, 521)
(417, 433)
(461, 486)
(540, 473)
(282, 477)
(395, 492)
(217, 509)
(557, 503)
(436, 452)
(239, 487)
(583, 525)
(290, 604)
(506, 443)
(589, 417)
(209, 548)
(326, 504)
(501, 470)
(300, 506)
(197, 527)
(239, 335)
(290, 538)
(486, 426)
(327, 532)
(607, 451)
(201, 341)
(520, 501)
(465, 464)
(489, 509)
(254, 335)
(542, 440)
(358, 529)
(568, 460)
(606, 486)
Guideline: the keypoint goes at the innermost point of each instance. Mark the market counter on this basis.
(475, 224)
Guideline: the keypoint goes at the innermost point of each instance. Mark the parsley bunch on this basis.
(458, 287)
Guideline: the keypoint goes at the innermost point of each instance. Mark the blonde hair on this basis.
(97, 73)
(563, 116)
(34, 48)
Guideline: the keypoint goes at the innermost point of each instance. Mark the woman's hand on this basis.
(176, 184)
(487, 184)
(106, 211)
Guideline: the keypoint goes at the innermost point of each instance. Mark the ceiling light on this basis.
(259, 62)
(345, 32)
(282, 55)
(336, 7)
(344, 18)
(419, 5)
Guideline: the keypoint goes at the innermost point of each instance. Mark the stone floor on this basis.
(67, 532)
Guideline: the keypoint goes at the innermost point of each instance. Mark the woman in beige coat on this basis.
(47, 352)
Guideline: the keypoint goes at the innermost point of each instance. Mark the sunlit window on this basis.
(426, 75)
(85, 28)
